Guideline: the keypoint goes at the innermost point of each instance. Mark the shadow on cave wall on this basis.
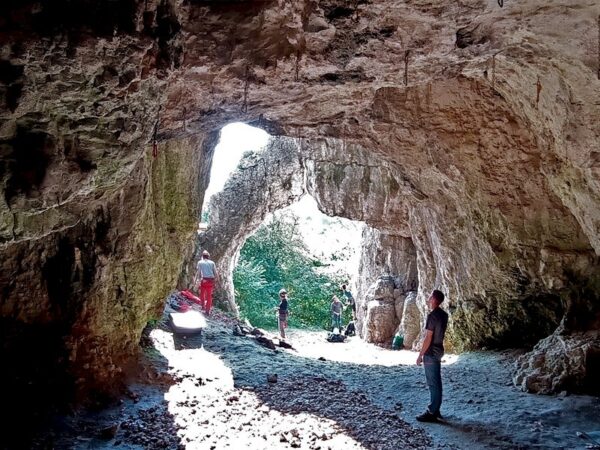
(33, 379)
(139, 416)
(36, 373)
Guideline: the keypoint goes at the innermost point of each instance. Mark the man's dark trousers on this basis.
(433, 375)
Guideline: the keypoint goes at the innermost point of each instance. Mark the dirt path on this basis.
(356, 396)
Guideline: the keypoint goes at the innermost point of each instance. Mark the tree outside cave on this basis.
(277, 256)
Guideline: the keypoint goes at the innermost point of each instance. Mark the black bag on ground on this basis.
(336, 337)
(350, 329)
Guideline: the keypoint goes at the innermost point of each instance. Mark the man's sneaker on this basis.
(427, 417)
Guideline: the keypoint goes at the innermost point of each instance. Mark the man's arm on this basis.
(426, 344)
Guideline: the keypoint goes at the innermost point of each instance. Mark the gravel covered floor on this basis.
(226, 391)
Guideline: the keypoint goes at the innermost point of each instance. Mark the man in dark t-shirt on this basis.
(431, 355)
(349, 300)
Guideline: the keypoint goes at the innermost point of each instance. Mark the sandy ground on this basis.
(349, 395)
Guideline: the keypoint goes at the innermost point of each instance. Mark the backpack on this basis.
(350, 329)
(336, 337)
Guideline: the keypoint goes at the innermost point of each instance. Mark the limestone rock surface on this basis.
(411, 323)
(399, 300)
(561, 363)
(380, 321)
(264, 182)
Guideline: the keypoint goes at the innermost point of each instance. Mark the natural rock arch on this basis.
(287, 169)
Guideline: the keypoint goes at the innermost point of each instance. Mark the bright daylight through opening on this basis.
(235, 139)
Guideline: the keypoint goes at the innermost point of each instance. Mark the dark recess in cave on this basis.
(40, 385)
(9, 72)
(27, 162)
(100, 18)
(11, 76)
(544, 311)
(466, 37)
(339, 12)
(590, 384)
(69, 272)
(58, 272)
(582, 301)
(13, 94)
(167, 27)
(75, 153)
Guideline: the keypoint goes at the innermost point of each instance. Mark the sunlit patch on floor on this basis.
(211, 413)
(312, 344)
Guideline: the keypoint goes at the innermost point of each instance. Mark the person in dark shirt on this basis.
(349, 300)
(431, 355)
(282, 312)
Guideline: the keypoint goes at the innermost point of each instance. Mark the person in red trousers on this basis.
(206, 272)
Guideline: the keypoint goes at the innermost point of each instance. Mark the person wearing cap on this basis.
(206, 272)
(431, 355)
(282, 312)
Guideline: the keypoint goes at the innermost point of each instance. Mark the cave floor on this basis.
(356, 396)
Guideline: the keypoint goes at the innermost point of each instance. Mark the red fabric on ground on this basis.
(187, 294)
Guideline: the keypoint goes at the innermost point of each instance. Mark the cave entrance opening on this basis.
(383, 280)
(307, 253)
(235, 139)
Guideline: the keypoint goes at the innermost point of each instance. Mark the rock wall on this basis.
(561, 362)
(412, 243)
(411, 322)
(77, 294)
(93, 229)
(331, 173)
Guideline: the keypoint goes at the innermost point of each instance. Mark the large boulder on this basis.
(380, 320)
(410, 326)
(399, 305)
(561, 363)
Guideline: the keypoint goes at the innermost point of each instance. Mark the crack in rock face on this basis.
(468, 130)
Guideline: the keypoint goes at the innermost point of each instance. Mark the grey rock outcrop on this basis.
(411, 323)
(561, 363)
(264, 182)
(379, 310)
(399, 305)
(390, 256)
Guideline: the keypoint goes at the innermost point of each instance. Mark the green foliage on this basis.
(204, 216)
(274, 258)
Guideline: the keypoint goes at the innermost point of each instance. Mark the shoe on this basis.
(427, 417)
